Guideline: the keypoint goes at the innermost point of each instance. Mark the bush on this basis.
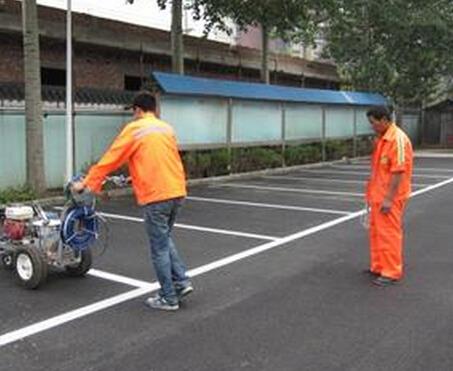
(303, 154)
(20, 194)
(256, 158)
(336, 149)
(200, 164)
(364, 146)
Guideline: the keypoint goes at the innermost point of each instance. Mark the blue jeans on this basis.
(169, 267)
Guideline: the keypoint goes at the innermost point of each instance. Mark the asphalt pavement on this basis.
(276, 263)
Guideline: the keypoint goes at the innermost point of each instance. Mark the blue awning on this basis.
(187, 85)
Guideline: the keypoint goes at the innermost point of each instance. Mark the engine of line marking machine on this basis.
(26, 225)
(17, 223)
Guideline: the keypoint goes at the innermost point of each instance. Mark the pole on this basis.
(69, 126)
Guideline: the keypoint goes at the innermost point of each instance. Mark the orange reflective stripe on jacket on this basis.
(392, 154)
(149, 147)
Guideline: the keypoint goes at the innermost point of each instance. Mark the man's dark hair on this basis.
(379, 113)
(145, 101)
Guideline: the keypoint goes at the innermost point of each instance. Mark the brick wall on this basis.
(105, 67)
(11, 56)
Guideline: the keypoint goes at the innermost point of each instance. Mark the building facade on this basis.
(113, 56)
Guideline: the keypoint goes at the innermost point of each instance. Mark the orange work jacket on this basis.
(149, 147)
(392, 154)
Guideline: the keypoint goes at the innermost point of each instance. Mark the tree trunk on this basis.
(177, 43)
(265, 77)
(33, 104)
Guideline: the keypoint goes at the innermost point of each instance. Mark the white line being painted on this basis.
(366, 173)
(286, 189)
(193, 227)
(271, 206)
(327, 180)
(24, 332)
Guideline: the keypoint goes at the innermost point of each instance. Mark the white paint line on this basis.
(432, 187)
(118, 278)
(197, 228)
(194, 227)
(270, 245)
(38, 327)
(231, 233)
(271, 206)
(285, 189)
(416, 168)
(433, 155)
(365, 173)
(145, 288)
(328, 180)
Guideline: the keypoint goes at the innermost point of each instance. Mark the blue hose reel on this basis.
(80, 224)
(79, 228)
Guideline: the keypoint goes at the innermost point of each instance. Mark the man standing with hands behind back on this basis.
(388, 190)
(148, 145)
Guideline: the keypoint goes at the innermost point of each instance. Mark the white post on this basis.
(69, 132)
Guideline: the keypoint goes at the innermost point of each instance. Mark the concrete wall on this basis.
(200, 123)
(93, 132)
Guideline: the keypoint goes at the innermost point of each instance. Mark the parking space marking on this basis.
(287, 189)
(24, 332)
(145, 288)
(271, 206)
(367, 173)
(226, 232)
(432, 155)
(328, 180)
(61, 319)
(118, 278)
(194, 227)
(416, 168)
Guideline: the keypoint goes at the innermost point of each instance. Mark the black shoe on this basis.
(384, 281)
(369, 272)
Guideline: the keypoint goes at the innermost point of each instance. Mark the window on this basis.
(132, 83)
(53, 77)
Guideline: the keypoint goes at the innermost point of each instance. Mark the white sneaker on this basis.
(158, 302)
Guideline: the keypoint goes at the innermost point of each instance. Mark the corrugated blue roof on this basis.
(187, 85)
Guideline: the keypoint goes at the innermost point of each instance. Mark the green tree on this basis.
(400, 48)
(33, 104)
(291, 20)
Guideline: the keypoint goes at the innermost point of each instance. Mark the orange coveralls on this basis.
(149, 147)
(392, 154)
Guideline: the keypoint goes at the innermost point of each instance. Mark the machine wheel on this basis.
(83, 267)
(31, 267)
(8, 262)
